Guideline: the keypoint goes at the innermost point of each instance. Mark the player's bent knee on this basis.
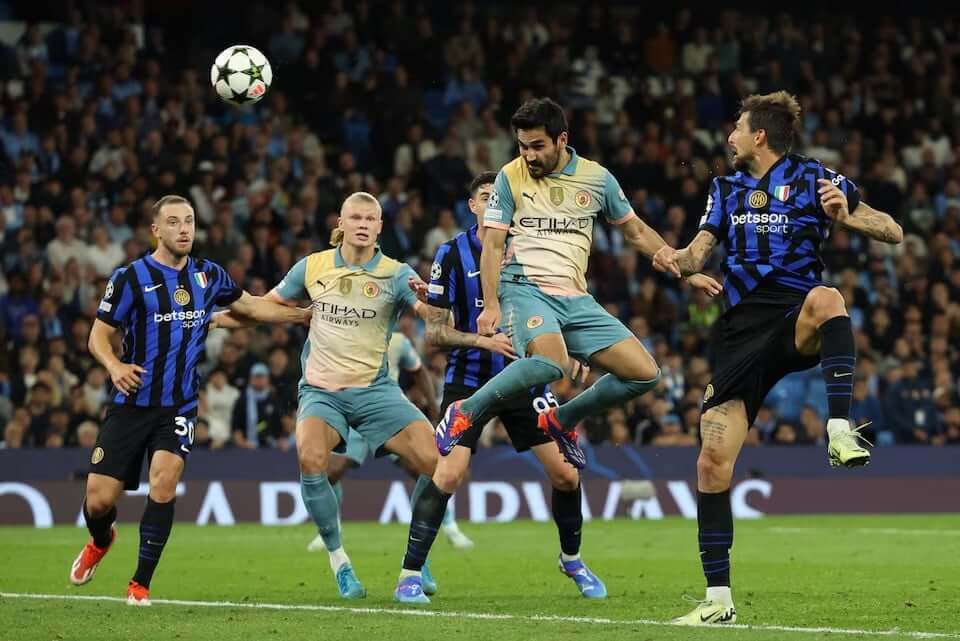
(448, 477)
(714, 472)
(565, 479)
(99, 501)
(313, 459)
(824, 303)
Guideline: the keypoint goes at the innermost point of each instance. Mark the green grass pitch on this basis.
(794, 578)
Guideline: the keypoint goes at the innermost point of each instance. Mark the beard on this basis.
(538, 170)
(742, 162)
(175, 251)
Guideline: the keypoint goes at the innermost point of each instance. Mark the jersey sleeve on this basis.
(115, 308)
(228, 292)
(500, 207)
(712, 218)
(404, 294)
(616, 207)
(847, 186)
(294, 284)
(409, 359)
(441, 291)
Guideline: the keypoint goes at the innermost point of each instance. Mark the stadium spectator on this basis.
(256, 413)
(88, 146)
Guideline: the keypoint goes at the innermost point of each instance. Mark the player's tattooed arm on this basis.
(441, 332)
(874, 224)
(691, 259)
(865, 219)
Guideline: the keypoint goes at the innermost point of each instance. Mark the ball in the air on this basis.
(241, 75)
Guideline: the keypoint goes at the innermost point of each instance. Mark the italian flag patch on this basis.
(782, 192)
(201, 279)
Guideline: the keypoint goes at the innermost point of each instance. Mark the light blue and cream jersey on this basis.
(402, 356)
(550, 221)
(355, 311)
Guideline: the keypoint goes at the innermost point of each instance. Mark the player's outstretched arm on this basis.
(648, 242)
(691, 259)
(440, 332)
(494, 241)
(125, 376)
(264, 309)
(865, 219)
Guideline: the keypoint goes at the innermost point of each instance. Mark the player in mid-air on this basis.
(162, 303)
(771, 217)
(542, 210)
(401, 357)
(455, 300)
(357, 295)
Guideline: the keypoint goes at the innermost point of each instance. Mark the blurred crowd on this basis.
(104, 112)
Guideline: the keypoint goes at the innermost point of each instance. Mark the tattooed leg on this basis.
(723, 429)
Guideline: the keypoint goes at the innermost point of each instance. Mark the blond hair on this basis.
(778, 114)
(362, 197)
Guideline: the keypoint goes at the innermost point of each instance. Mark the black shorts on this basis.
(130, 432)
(519, 417)
(754, 346)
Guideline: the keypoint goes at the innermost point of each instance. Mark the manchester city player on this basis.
(357, 296)
(542, 211)
(161, 304)
(771, 217)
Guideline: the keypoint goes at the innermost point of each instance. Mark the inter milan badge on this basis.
(758, 199)
(97, 455)
(708, 393)
(181, 297)
(371, 289)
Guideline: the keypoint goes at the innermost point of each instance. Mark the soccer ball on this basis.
(241, 75)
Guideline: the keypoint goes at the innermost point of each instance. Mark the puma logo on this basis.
(530, 196)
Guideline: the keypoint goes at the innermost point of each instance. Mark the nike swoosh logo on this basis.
(150, 289)
(835, 375)
(472, 274)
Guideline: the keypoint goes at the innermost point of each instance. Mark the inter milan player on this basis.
(455, 300)
(161, 304)
(771, 217)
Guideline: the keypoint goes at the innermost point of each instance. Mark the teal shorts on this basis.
(375, 413)
(586, 327)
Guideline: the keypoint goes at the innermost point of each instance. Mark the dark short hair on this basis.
(776, 113)
(483, 178)
(540, 112)
(170, 199)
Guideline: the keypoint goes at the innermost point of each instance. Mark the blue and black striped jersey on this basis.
(455, 285)
(164, 314)
(772, 228)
